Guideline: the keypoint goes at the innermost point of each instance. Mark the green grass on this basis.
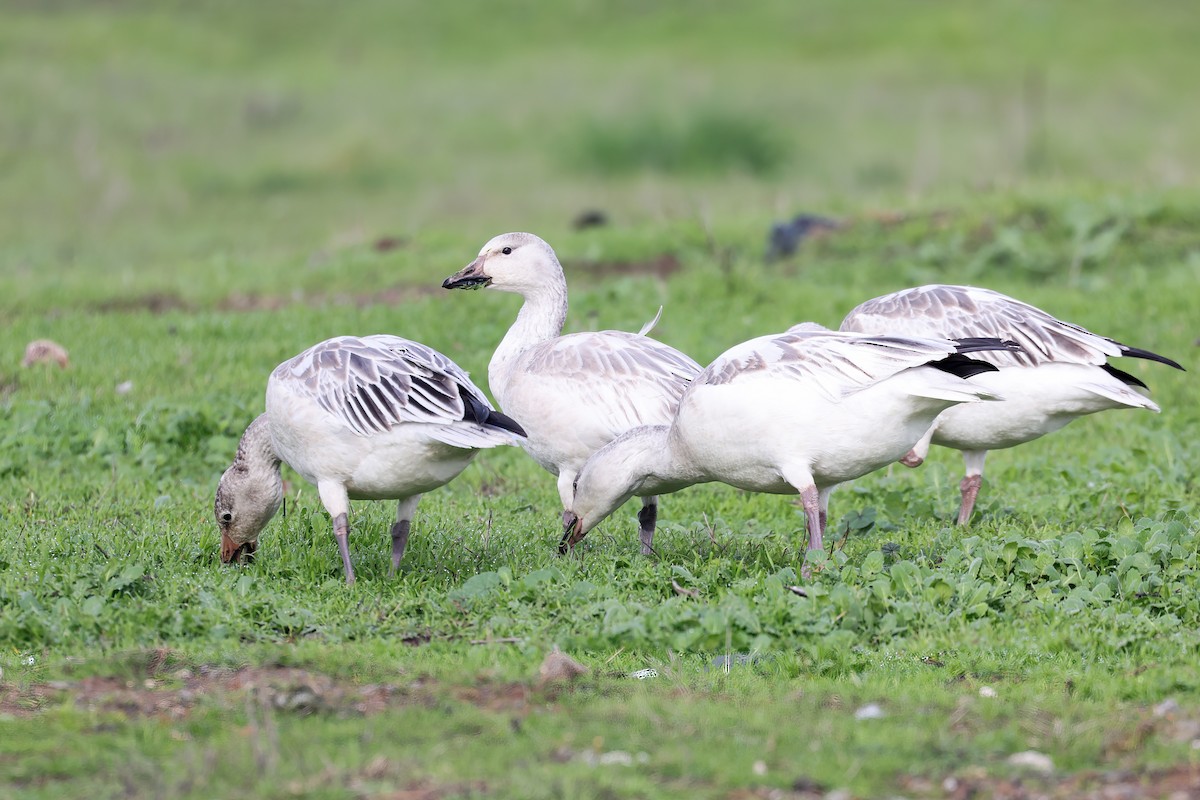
(195, 192)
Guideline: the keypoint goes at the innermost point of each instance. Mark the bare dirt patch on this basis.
(1182, 781)
(174, 694)
(660, 266)
(387, 296)
(155, 303)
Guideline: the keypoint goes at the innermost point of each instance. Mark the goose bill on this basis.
(471, 276)
(231, 552)
(572, 531)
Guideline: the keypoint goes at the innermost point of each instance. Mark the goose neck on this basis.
(256, 451)
(540, 319)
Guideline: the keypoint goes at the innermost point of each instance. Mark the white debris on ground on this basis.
(1166, 707)
(987, 691)
(613, 758)
(1032, 760)
(870, 711)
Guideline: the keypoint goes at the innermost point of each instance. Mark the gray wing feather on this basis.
(373, 383)
(639, 378)
(836, 363)
(956, 312)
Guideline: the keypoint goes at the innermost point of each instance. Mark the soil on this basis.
(168, 693)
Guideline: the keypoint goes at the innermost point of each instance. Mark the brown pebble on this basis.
(559, 667)
(44, 351)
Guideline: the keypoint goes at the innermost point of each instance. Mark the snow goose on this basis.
(572, 394)
(792, 413)
(372, 418)
(1060, 373)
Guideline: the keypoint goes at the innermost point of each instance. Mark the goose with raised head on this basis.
(372, 418)
(792, 413)
(572, 394)
(1060, 373)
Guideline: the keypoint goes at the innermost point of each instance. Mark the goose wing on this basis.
(619, 379)
(373, 383)
(836, 363)
(956, 312)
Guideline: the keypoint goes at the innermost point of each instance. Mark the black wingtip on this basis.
(479, 412)
(1137, 352)
(498, 420)
(963, 366)
(974, 344)
(1123, 376)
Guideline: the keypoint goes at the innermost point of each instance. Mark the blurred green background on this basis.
(203, 147)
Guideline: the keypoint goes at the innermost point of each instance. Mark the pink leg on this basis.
(970, 491)
(399, 542)
(812, 513)
(911, 459)
(341, 530)
(973, 460)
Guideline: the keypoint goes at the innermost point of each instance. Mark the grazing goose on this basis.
(572, 394)
(792, 413)
(371, 418)
(1060, 372)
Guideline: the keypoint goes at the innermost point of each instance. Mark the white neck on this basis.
(662, 464)
(540, 319)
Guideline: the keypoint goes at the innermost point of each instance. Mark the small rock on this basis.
(124, 388)
(839, 794)
(45, 351)
(618, 757)
(1032, 760)
(759, 768)
(589, 218)
(1166, 707)
(386, 243)
(785, 237)
(987, 691)
(560, 667)
(870, 711)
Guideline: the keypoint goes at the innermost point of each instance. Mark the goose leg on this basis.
(404, 514)
(647, 519)
(336, 502)
(811, 499)
(823, 501)
(341, 532)
(916, 456)
(973, 459)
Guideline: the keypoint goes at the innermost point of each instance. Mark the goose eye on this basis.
(507, 251)
(227, 517)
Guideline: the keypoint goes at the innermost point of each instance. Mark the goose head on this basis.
(246, 501)
(616, 472)
(511, 262)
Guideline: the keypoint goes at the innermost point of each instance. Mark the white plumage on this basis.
(376, 417)
(572, 394)
(1059, 374)
(792, 413)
